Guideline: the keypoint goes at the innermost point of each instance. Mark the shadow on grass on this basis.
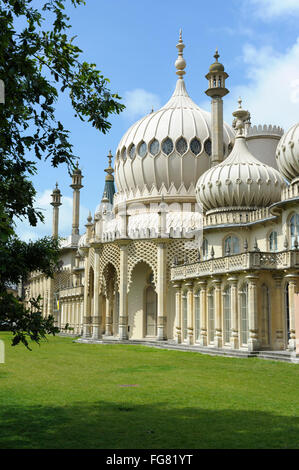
(128, 426)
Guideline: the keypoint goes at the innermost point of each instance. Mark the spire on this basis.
(216, 54)
(109, 188)
(109, 170)
(180, 63)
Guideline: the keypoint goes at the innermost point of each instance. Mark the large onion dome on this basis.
(241, 182)
(287, 153)
(169, 148)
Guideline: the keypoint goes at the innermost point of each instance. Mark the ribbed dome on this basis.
(287, 153)
(239, 183)
(171, 145)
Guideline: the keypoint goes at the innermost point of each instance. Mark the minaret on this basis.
(109, 189)
(56, 202)
(76, 185)
(216, 91)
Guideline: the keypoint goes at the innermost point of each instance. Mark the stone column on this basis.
(123, 291)
(217, 130)
(56, 202)
(190, 322)
(218, 329)
(253, 341)
(178, 312)
(97, 301)
(203, 313)
(234, 337)
(277, 314)
(292, 280)
(161, 291)
(109, 304)
(86, 306)
(76, 185)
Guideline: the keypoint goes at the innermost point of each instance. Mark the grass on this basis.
(70, 395)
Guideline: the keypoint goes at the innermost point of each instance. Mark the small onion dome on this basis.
(216, 66)
(287, 153)
(241, 182)
(56, 190)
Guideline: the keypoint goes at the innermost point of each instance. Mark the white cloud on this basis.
(272, 8)
(26, 232)
(140, 102)
(272, 94)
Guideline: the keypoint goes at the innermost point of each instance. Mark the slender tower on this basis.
(109, 188)
(76, 185)
(56, 202)
(216, 91)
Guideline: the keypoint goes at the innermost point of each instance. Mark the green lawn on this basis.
(70, 395)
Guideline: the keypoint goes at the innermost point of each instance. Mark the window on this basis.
(208, 147)
(184, 320)
(273, 241)
(154, 147)
(195, 146)
(167, 146)
(244, 315)
(181, 146)
(231, 246)
(294, 225)
(123, 153)
(132, 151)
(205, 249)
(226, 315)
(197, 315)
(211, 310)
(142, 149)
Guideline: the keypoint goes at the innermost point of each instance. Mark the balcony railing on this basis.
(71, 291)
(234, 263)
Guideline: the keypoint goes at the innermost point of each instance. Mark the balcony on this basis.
(237, 263)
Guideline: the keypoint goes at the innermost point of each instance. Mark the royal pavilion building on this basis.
(194, 244)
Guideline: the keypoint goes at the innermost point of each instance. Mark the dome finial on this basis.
(241, 116)
(180, 63)
(216, 54)
(109, 170)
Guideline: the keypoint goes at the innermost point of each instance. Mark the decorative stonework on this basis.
(139, 251)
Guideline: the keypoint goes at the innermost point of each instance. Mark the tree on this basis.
(36, 65)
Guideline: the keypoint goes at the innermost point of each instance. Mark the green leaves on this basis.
(36, 65)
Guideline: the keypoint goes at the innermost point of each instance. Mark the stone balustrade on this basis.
(71, 292)
(237, 263)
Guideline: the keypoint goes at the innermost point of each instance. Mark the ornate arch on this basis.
(130, 273)
(142, 251)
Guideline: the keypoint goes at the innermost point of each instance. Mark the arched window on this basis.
(273, 241)
(197, 315)
(294, 228)
(231, 245)
(184, 319)
(244, 315)
(265, 331)
(211, 312)
(226, 314)
(205, 249)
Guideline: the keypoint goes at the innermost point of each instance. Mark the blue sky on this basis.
(134, 42)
